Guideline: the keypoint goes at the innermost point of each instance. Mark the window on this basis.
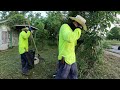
(4, 37)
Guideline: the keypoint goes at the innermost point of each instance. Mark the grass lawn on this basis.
(10, 66)
(109, 43)
(113, 42)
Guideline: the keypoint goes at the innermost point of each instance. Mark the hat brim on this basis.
(80, 22)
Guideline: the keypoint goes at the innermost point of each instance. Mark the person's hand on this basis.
(30, 29)
(79, 26)
(32, 32)
(26, 50)
(63, 60)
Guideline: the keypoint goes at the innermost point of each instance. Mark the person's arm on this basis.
(68, 35)
(25, 35)
(77, 32)
(28, 34)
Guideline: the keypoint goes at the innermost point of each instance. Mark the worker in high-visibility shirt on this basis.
(68, 36)
(23, 48)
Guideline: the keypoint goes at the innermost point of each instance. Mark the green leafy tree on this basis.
(90, 50)
(114, 33)
(41, 34)
(16, 20)
(6, 14)
(53, 22)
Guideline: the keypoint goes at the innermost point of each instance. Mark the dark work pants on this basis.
(66, 71)
(24, 62)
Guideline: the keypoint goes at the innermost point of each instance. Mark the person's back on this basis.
(23, 41)
(23, 48)
(68, 36)
(67, 41)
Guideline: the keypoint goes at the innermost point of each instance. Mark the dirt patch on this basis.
(111, 53)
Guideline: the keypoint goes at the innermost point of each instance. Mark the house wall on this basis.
(0, 37)
(3, 46)
(10, 41)
(15, 38)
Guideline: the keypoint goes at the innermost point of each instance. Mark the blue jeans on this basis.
(65, 71)
(24, 62)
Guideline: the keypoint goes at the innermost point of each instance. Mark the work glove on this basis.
(26, 50)
(63, 60)
(80, 27)
(30, 28)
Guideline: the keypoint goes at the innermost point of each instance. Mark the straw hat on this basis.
(24, 29)
(80, 20)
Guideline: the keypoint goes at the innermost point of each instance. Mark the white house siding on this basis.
(3, 46)
(15, 38)
(0, 37)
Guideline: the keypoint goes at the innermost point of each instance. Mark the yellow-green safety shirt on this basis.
(23, 41)
(67, 42)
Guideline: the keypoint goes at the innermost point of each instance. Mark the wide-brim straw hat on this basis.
(26, 28)
(80, 20)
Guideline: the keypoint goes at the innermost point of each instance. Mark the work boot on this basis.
(54, 75)
(26, 74)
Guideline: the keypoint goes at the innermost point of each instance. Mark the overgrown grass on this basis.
(10, 66)
(107, 44)
(113, 42)
(109, 68)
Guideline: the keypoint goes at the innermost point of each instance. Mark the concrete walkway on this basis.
(114, 50)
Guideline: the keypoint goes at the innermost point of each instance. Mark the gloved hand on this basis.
(26, 50)
(63, 60)
(80, 26)
(30, 29)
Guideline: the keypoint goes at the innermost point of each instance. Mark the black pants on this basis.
(65, 70)
(24, 62)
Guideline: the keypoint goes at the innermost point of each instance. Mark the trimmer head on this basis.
(40, 58)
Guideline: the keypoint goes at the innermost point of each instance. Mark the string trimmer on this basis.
(37, 56)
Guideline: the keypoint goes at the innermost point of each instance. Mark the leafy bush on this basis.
(106, 45)
(53, 23)
(114, 34)
(91, 50)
